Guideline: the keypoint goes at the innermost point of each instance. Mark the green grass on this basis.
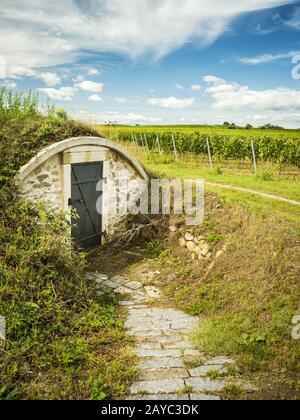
(251, 295)
(278, 185)
(281, 146)
(61, 341)
(283, 186)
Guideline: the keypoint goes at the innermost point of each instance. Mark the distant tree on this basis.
(248, 127)
(271, 127)
(232, 126)
(226, 124)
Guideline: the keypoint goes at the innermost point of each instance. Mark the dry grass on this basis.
(250, 297)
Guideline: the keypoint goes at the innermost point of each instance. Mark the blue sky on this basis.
(157, 61)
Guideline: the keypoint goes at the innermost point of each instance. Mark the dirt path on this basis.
(250, 191)
(171, 368)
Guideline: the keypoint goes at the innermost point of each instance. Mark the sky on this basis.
(156, 61)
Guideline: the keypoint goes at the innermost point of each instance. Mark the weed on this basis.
(154, 248)
(233, 390)
(213, 374)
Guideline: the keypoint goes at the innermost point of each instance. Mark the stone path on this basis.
(171, 368)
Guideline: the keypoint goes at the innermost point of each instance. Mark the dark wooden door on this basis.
(87, 226)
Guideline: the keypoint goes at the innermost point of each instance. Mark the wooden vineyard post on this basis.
(133, 140)
(254, 156)
(209, 153)
(136, 141)
(174, 146)
(158, 145)
(146, 141)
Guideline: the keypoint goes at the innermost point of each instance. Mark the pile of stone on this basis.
(120, 285)
(197, 246)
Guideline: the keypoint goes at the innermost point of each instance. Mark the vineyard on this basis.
(222, 144)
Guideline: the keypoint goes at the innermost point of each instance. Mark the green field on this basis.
(272, 177)
(280, 146)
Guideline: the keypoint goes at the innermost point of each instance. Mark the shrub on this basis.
(57, 335)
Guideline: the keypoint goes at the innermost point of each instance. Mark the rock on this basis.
(101, 277)
(123, 291)
(159, 386)
(119, 279)
(149, 346)
(182, 242)
(204, 397)
(189, 237)
(110, 284)
(173, 228)
(206, 385)
(160, 397)
(158, 353)
(161, 363)
(204, 370)
(180, 345)
(173, 373)
(219, 254)
(205, 250)
(126, 303)
(191, 246)
(152, 291)
(90, 276)
(99, 294)
(134, 285)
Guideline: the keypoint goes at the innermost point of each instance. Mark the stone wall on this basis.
(119, 169)
(51, 182)
(45, 183)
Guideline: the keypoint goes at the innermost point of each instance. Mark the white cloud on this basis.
(95, 98)
(62, 94)
(195, 88)
(43, 34)
(234, 96)
(212, 79)
(267, 58)
(281, 119)
(9, 84)
(121, 100)
(78, 79)
(172, 102)
(51, 79)
(179, 87)
(90, 86)
(117, 117)
(94, 72)
(294, 22)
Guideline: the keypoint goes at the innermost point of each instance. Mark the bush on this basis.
(59, 342)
